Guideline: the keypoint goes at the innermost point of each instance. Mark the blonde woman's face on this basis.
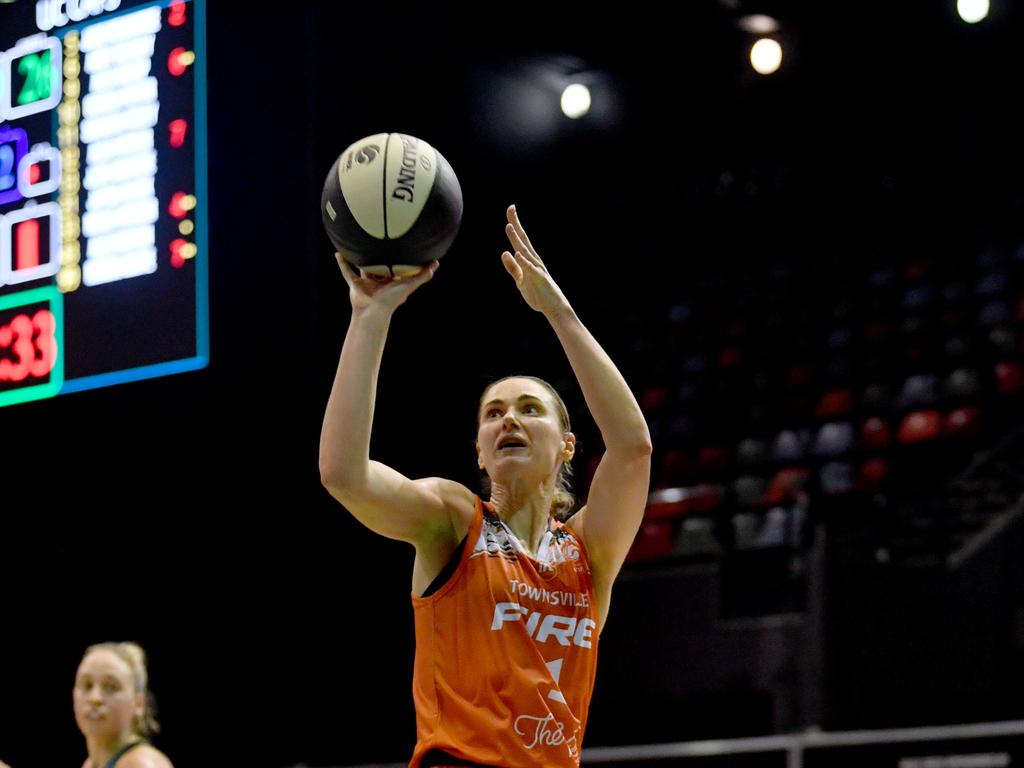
(520, 431)
(104, 696)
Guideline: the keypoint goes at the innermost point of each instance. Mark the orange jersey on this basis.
(506, 651)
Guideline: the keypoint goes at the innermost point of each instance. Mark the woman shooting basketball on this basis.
(508, 599)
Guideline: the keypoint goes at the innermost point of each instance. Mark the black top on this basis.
(123, 750)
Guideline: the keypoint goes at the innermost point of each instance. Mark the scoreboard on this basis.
(103, 209)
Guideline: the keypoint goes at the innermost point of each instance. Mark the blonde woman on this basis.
(509, 594)
(115, 709)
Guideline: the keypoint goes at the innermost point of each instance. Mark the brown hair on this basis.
(133, 655)
(564, 501)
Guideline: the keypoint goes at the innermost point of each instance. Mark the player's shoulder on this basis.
(144, 756)
(459, 501)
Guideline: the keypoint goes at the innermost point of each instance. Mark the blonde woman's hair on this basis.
(564, 500)
(133, 655)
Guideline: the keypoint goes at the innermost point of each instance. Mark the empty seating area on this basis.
(806, 385)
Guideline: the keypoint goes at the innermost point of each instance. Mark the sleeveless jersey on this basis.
(125, 749)
(506, 651)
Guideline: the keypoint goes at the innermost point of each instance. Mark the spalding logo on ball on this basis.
(391, 203)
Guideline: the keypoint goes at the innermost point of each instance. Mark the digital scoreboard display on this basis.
(103, 226)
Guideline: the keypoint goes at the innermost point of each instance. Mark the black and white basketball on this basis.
(391, 203)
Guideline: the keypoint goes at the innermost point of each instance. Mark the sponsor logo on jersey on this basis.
(546, 731)
(545, 627)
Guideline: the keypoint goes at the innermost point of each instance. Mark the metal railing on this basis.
(975, 745)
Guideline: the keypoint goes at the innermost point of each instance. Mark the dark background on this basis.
(187, 514)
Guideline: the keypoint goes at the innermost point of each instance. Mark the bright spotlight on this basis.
(972, 11)
(766, 56)
(576, 100)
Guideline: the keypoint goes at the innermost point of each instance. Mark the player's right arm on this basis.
(384, 500)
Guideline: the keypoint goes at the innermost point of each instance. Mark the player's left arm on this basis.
(618, 492)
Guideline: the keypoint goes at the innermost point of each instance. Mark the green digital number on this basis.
(36, 69)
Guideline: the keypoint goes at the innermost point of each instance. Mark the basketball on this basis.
(391, 204)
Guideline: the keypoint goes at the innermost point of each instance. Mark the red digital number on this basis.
(31, 343)
(46, 344)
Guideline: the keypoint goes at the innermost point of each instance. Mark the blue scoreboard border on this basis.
(202, 357)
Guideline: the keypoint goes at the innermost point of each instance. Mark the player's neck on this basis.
(102, 750)
(528, 515)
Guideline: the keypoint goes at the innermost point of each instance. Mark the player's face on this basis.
(520, 432)
(104, 696)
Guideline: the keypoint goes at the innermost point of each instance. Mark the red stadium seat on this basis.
(707, 497)
(920, 426)
(730, 357)
(784, 486)
(667, 503)
(675, 468)
(875, 433)
(684, 500)
(1009, 378)
(801, 375)
(871, 474)
(834, 403)
(654, 398)
(654, 541)
(712, 459)
(964, 421)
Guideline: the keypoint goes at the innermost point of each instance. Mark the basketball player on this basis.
(114, 708)
(508, 599)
